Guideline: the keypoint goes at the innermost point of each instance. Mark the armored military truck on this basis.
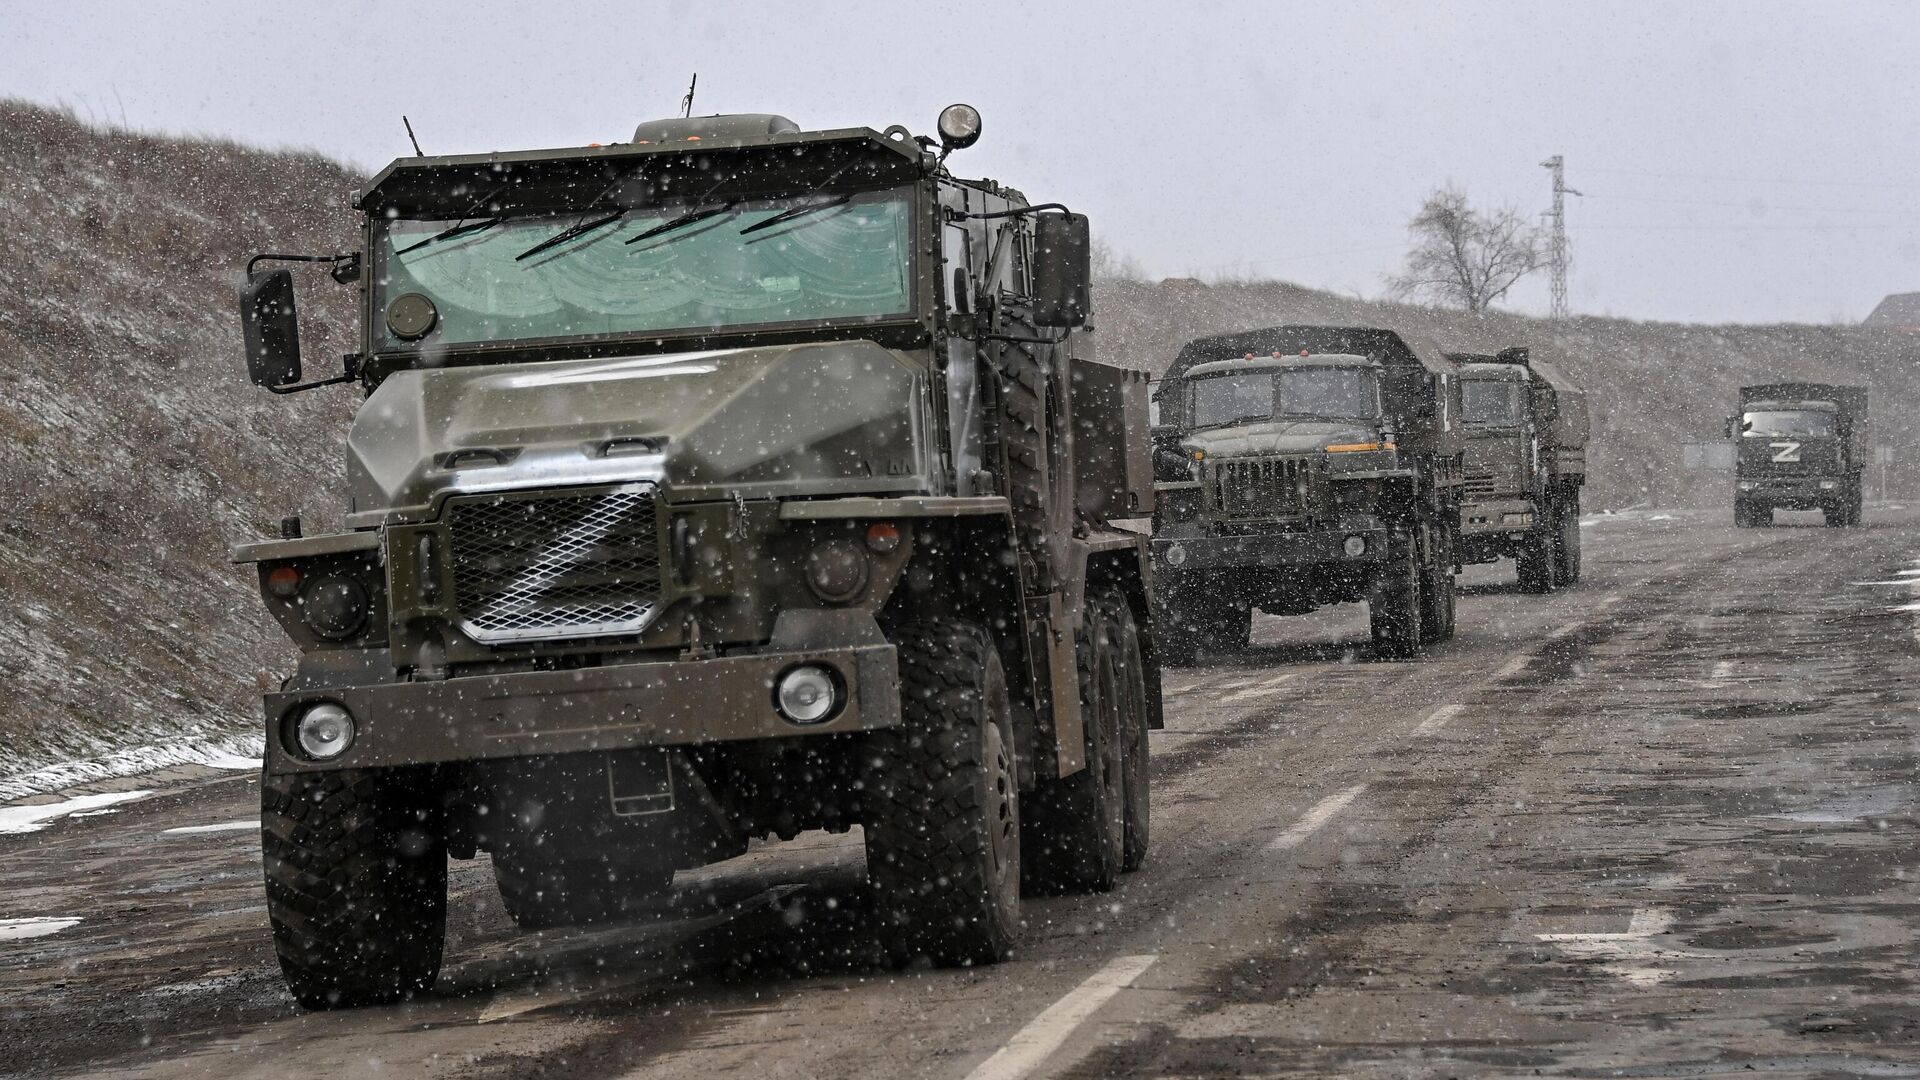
(734, 481)
(1300, 466)
(1800, 446)
(1526, 459)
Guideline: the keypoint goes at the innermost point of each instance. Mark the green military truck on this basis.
(1526, 460)
(1800, 446)
(730, 482)
(1300, 466)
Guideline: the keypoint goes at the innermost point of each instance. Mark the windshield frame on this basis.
(912, 324)
(1274, 374)
(1829, 416)
(1516, 398)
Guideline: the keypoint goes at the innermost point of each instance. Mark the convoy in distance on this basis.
(739, 480)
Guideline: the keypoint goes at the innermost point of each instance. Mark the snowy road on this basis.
(1664, 824)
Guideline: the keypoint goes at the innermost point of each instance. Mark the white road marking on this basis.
(225, 826)
(1564, 631)
(1319, 815)
(1437, 719)
(1259, 689)
(1721, 670)
(33, 818)
(1034, 1045)
(1512, 667)
(1627, 954)
(21, 929)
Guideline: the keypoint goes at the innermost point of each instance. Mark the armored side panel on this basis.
(1112, 463)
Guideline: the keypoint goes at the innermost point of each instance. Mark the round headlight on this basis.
(1354, 546)
(1176, 555)
(807, 695)
(959, 126)
(334, 607)
(836, 570)
(324, 731)
(411, 315)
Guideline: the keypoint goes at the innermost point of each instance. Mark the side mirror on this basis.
(1062, 270)
(271, 328)
(1733, 426)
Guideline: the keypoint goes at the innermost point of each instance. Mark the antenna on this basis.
(1558, 257)
(686, 103)
(417, 152)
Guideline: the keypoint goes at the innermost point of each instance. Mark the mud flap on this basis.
(640, 782)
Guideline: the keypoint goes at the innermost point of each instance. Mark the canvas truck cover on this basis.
(1411, 364)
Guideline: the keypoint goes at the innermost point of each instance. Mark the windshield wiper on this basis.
(460, 229)
(570, 232)
(795, 212)
(683, 221)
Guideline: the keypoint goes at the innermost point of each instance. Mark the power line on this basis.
(1557, 254)
(1709, 178)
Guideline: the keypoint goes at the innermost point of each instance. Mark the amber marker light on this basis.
(283, 582)
(1355, 447)
(883, 537)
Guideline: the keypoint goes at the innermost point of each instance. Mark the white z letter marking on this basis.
(1785, 451)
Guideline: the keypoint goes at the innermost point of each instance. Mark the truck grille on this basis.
(556, 566)
(1479, 484)
(1260, 488)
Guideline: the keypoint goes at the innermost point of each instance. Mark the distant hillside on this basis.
(136, 452)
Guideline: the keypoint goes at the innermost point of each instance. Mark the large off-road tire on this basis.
(1395, 607)
(1566, 569)
(1857, 506)
(1075, 828)
(1437, 599)
(541, 892)
(1023, 367)
(1135, 765)
(1533, 564)
(356, 881)
(942, 816)
(1748, 516)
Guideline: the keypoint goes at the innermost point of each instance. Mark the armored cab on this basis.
(1800, 446)
(1526, 460)
(734, 481)
(1306, 465)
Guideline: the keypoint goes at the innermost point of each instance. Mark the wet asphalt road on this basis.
(1663, 824)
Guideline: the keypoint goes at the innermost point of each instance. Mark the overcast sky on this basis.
(1740, 161)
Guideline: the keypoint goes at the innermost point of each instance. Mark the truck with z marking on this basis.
(730, 482)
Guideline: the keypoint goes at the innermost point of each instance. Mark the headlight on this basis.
(334, 608)
(1747, 485)
(836, 571)
(324, 731)
(807, 695)
(1828, 485)
(1355, 546)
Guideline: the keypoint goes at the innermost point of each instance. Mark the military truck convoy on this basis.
(733, 481)
(1526, 459)
(1306, 465)
(1799, 446)
(740, 480)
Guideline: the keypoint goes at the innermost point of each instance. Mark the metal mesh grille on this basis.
(1479, 483)
(564, 566)
(1267, 487)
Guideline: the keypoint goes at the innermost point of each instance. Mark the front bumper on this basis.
(1790, 492)
(1278, 548)
(616, 707)
(1496, 517)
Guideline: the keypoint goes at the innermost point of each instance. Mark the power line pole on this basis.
(1557, 255)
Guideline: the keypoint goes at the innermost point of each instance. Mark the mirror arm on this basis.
(958, 215)
(352, 372)
(346, 263)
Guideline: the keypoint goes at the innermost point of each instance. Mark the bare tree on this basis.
(1112, 265)
(1464, 257)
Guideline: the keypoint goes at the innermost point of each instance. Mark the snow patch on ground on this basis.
(26, 819)
(235, 754)
(224, 826)
(21, 929)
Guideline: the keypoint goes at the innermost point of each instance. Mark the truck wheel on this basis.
(541, 893)
(1437, 594)
(1566, 570)
(1533, 563)
(1135, 766)
(942, 816)
(356, 876)
(1394, 608)
(1857, 507)
(1074, 838)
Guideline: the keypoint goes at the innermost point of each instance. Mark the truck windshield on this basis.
(1489, 402)
(1766, 423)
(673, 267)
(1307, 393)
